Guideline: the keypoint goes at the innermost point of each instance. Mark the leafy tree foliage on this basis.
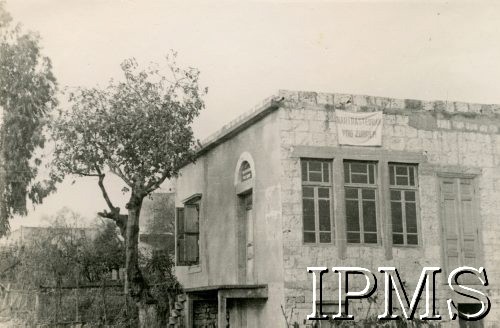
(105, 253)
(138, 129)
(159, 272)
(27, 94)
(63, 253)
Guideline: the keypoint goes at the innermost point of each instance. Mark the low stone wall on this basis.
(205, 314)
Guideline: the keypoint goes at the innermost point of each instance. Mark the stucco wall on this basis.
(454, 137)
(213, 176)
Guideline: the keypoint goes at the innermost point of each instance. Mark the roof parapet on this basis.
(342, 101)
(370, 103)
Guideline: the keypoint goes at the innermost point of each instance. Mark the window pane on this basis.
(315, 176)
(246, 171)
(359, 178)
(397, 239)
(369, 216)
(324, 193)
(347, 173)
(391, 174)
(402, 181)
(411, 218)
(304, 170)
(397, 221)
(412, 239)
(412, 175)
(309, 237)
(325, 237)
(371, 175)
(353, 237)
(324, 215)
(351, 193)
(395, 195)
(368, 193)
(370, 238)
(359, 168)
(308, 192)
(401, 170)
(316, 202)
(352, 215)
(326, 172)
(315, 166)
(410, 195)
(308, 208)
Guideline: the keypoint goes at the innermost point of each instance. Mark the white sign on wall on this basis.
(359, 129)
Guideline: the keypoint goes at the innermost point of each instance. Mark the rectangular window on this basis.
(317, 201)
(360, 182)
(403, 188)
(188, 234)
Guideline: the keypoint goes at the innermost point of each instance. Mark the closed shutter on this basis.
(449, 209)
(460, 222)
(191, 232)
(469, 223)
(191, 218)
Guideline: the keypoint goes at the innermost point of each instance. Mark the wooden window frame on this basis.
(360, 187)
(382, 156)
(194, 200)
(315, 185)
(401, 189)
(245, 171)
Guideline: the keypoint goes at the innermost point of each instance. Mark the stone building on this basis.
(298, 183)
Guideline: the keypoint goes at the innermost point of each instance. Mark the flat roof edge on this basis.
(339, 101)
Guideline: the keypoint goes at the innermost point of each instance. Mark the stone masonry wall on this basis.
(205, 314)
(451, 135)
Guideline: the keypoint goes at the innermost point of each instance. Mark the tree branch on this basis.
(152, 186)
(103, 189)
(114, 214)
(85, 174)
(119, 219)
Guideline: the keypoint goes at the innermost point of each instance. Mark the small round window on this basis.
(245, 171)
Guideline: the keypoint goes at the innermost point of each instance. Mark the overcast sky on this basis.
(246, 51)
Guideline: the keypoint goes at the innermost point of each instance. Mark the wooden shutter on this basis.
(191, 218)
(191, 232)
(469, 223)
(449, 210)
(192, 248)
(460, 222)
(179, 236)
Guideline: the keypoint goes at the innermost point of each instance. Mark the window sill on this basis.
(378, 245)
(406, 246)
(194, 268)
(319, 245)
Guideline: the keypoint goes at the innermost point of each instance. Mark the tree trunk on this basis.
(135, 285)
(4, 217)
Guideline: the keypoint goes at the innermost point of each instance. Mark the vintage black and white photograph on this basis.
(249, 164)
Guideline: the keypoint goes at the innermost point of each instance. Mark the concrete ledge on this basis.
(258, 290)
